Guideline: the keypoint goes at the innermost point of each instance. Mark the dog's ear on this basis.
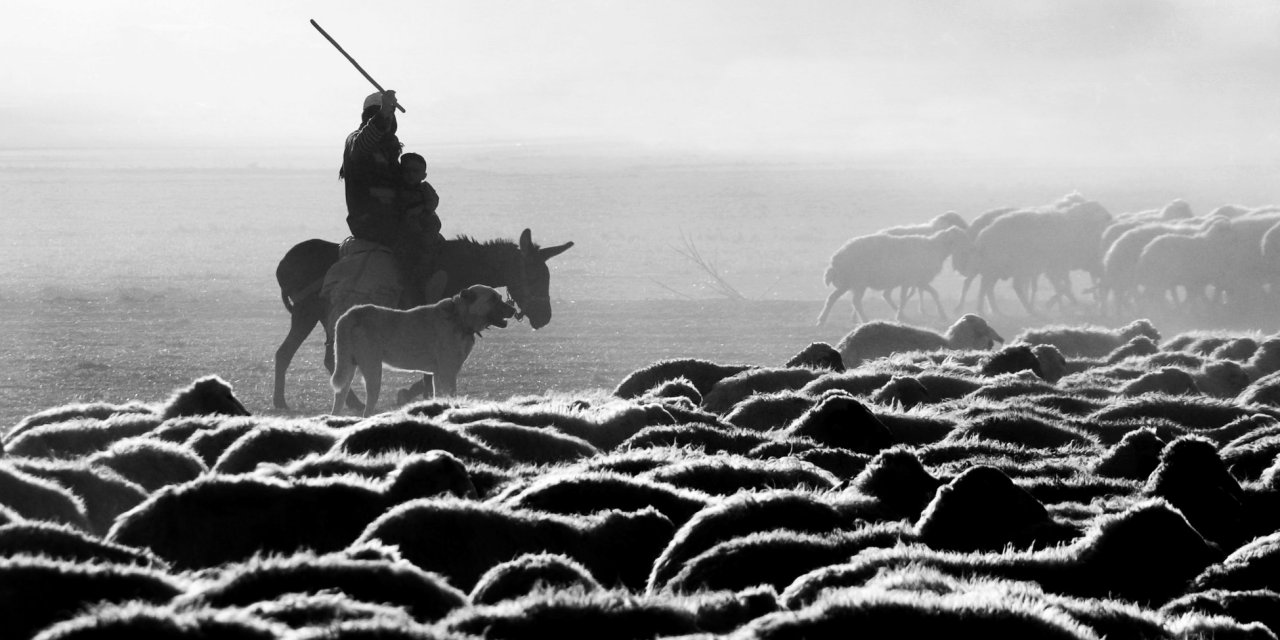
(468, 296)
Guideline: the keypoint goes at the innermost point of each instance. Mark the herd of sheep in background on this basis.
(1149, 262)
(1069, 482)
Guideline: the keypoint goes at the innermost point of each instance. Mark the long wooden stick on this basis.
(353, 62)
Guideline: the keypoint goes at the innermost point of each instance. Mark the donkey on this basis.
(519, 267)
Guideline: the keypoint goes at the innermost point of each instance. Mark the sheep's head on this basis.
(972, 332)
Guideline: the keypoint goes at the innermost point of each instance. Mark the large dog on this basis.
(434, 338)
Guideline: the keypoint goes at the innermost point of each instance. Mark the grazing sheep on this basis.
(731, 390)
(1167, 381)
(1264, 390)
(776, 558)
(35, 498)
(140, 620)
(708, 438)
(1256, 565)
(106, 494)
(152, 464)
(738, 516)
(841, 421)
(462, 539)
(425, 596)
(532, 445)
(571, 616)
(1239, 349)
(585, 493)
(885, 262)
(1193, 479)
(400, 432)
(1135, 457)
(1256, 605)
(76, 412)
(604, 425)
(274, 444)
(36, 592)
(879, 339)
(1011, 359)
(677, 388)
(1089, 341)
(818, 355)
(529, 573)
(904, 392)
(63, 542)
(727, 475)
(218, 519)
(325, 610)
(212, 438)
(770, 411)
(209, 395)
(858, 382)
(983, 510)
(901, 486)
(1190, 412)
(1021, 428)
(81, 437)
(701, 373)
(1148, 554)
(1265, 360)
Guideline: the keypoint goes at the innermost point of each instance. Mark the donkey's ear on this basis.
(551, 252)
(526, 240)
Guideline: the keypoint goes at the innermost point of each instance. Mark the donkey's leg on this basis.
(420, 387)
(302, 320)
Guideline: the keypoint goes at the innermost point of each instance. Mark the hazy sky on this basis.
(1078, 80)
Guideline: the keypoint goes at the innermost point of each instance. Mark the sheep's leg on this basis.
(928, 288)
(302, 320)
(1026, 294)
(964, 291)
(887, 294)
(831, 301)
(858, 314)
(987, 295)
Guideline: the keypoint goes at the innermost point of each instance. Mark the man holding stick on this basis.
(371, 171)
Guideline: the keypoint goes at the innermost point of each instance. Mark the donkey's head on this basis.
(532, 291)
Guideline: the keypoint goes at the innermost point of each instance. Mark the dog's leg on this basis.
(341, 383)
(372, 386)
(445, 384)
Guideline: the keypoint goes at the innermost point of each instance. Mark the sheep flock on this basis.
(1061, 482)
(1165, 263)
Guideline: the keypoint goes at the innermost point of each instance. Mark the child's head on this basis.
(413, 168)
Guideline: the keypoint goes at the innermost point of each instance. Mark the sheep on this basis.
(531, 572)
(679, 388)
(770, 411)
(1257, 605)
(80, 437)
(1193, 479)
(983, 510)
(36, 592)
(1265, 360)
(209, 395)
(818, 355)
(901, 391)
(879, 339)
(274, 444)
(1053, 240)
(425, 596)
(1120, 259)
(585, 493)
(702, 374)
(401, 432)
(1089, 341)
(884, 262)
(727, 475)
(940, 222)
(1252, 566)
(841, 421)
(1189, 412)
(1168, 380)
(1021, 428)
(1191, 261)
(1135, 457)
(76, 412)
(151, 464)
(323, 610)
(599, 614)
(708, 438)
(901, 486)
(731, 390)
(1147, 554)
(462, 539)
(218, 519)
(106, 494)
(64, 542)
(35, 498)
(139, 620)
(963, 260)
(740, 515)
(533, 445)
(604, 425)
(777, 558)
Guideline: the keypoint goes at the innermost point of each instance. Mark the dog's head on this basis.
(484, 307)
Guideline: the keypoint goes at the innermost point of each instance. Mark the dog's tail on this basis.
(344, 361)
